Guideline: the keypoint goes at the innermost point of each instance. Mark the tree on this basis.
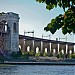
(65, 21)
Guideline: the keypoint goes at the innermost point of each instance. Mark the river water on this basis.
(37, 70)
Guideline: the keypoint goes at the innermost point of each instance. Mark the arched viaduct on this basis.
(28, 43)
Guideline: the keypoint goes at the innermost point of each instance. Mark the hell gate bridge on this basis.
(10, 40)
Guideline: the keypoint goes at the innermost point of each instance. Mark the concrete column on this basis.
(68, 49)
(25, 46)
(41, 48)
(50, 47)
(33, 45)
(58, 48)
(73, 49)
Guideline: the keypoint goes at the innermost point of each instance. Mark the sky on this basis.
(34, 16)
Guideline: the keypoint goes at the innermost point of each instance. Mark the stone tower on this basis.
(11, 41)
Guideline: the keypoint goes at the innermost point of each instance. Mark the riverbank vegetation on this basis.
(31, 56)
(26, 55)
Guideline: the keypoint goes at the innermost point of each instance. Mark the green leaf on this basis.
(65, 21)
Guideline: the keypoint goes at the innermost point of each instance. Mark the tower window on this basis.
(14, 28)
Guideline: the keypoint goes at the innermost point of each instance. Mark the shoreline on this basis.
(39, 63)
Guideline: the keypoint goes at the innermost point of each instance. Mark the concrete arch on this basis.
(28, 49)
(70, 47)
(28, 43)
(37, 44)
(22, 44)
(70, 51)
(62, 51)
(54, 46)
(20, 47)
(46, 50)
(37, 49)
(62, 47)
(46, 45)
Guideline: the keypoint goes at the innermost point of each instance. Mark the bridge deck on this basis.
(44, 40)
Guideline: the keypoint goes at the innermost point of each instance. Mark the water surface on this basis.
(37, 70)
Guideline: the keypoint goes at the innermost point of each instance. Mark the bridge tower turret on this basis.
(12, 31)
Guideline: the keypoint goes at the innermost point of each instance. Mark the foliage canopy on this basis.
(65, 21)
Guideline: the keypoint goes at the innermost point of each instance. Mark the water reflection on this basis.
(37, 70)
(8, 70)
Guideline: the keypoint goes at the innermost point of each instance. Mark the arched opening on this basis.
(14, 27)
(20, 47)
(54, 51)
(28, 49)
(70, 52)
(37, 49)
(45, 50)
(5, 28)
(62, 51)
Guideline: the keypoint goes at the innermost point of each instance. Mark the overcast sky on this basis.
(34, 16)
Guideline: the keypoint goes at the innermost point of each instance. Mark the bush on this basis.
(37, 54)
(72, 56)
(51, 54)
(16, 54)
(45, 54)
(2, 58)
(25, 55)
(19, 53)
(13, 54)
(60, 55)
(31, 53)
